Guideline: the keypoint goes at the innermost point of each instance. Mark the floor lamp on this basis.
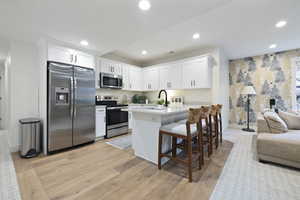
(248, 90)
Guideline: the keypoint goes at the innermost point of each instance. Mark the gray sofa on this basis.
(283, 148)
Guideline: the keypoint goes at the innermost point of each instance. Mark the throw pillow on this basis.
(275, 123)
(292, 120)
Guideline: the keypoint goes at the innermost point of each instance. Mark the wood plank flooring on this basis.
(100, 171)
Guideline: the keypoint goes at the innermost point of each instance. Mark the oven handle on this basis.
(116, 108)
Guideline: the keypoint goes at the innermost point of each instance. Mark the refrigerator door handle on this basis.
(71, 97)
(74, 93)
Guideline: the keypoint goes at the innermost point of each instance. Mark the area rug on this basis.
(9, 189)
(121, 142)
(243, 177)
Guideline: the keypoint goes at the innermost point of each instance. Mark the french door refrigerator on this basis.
(71, 106)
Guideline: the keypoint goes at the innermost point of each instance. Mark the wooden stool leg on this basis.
(159, 150)
(217, 132)
(200, 145)
(189, 142)
(210, 152)
(221, 129)
(174, 146)
(208, 133)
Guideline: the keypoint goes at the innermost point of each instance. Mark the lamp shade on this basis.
(248, 90)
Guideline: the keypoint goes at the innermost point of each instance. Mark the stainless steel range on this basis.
(116, 117)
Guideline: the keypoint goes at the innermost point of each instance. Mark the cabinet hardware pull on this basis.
(75, 58)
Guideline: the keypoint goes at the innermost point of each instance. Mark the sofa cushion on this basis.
(284, 146)
(275, 123)
(292, 120)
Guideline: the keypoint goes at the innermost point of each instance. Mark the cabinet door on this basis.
(163, 77)
(189, 74)
(151, 79)
(197, 74)
(171, 77)
(61, 54)
(100, 122)
(205, 75)
(135, 77)
(125, 74)
(130, 120)
(97, 76)
(105, 67)
(117, 68)
(84, 60)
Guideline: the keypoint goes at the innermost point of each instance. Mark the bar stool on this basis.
(220, 121)
(214, 127)
(191, 129)
(205, 128)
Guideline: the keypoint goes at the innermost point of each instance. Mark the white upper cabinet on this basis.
(151, 79)
(70, 56)
(197, 73)
(111, 67)
(135, 78)
(170, 77)
(126, 79)
(84, 60)
(60, 54)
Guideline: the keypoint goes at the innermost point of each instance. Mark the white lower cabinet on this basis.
(100, 121)
(130, 125)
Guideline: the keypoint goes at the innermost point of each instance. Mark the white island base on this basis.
(145, 131)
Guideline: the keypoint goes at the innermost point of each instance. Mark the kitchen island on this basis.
(145, 129)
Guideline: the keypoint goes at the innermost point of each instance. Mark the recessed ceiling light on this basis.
(144, 52)
(144, 5)
(196, 36)
(281, 24)
(84, 43)
(273, 46)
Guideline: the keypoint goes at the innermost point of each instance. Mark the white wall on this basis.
(221, 93)
(2, 94)
(23, 76)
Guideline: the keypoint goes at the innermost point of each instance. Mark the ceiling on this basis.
(241, 28)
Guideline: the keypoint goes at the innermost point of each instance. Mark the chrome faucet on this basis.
(166, 97)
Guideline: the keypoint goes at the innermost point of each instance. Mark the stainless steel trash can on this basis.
(30, 137)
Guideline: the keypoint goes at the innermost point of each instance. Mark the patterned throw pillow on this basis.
(292, 120)
(275, 123)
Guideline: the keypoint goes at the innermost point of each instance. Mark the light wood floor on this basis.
(100, 171)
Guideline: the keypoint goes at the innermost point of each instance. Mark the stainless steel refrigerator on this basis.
(71, 106)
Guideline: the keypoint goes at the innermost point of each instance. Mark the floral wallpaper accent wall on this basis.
(271, 77)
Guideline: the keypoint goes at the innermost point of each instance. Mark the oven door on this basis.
(110, 81)
(115, 115)
(117, 122)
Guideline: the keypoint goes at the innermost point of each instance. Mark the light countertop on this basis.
(160, 110)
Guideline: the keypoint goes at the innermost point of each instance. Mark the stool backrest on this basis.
(214, 110)
(219, 107)
(196, 114)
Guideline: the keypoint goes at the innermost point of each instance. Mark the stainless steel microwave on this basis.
(111, 81)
